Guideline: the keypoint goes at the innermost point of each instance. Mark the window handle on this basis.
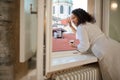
(31, 10)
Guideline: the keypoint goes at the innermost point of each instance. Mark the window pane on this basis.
(114, 28)
(69, 10)
(53, 9)
(61, 9)
(62, 34)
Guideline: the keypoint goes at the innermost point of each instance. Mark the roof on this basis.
(59, 29)
(64, 22)
(68, 1)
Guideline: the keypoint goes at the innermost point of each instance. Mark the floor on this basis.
(30, 76)
(32, 73)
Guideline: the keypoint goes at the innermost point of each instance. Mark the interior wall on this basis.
(20, 69)
(10, 67)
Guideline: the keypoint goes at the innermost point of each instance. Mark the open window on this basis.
(28, 29)
(59, 55)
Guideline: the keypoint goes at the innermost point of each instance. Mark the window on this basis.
(69, 10)
(61, 9)
(111, 19)
(58, 35)
(114, 24)
(53, 9)
(62, 34)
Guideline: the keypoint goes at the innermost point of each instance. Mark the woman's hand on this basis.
(70, 25)
(73, 45)
(69, 21)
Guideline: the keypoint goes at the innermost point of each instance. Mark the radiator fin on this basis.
(84, 73)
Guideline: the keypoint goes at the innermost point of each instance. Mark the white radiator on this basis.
(84, 73)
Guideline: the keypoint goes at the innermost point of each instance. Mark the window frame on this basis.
(40, 40)
(48, 34)
(106, 14)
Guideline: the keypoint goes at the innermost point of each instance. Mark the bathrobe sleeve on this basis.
(82, 36)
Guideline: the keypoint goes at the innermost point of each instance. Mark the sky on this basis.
(80, 4)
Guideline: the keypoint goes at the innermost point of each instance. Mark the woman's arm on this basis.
(73, 29)
(82, 35)
(83, 38)
(71, 26)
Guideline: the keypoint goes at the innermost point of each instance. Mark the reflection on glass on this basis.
(114, 28)
(62, 34)
(114, 5)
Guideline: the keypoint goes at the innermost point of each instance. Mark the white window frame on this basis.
(48, 33)
(40, 38)
(106, 10)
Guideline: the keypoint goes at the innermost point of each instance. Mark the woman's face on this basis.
(74, 19)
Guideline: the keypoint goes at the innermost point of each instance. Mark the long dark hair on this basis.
(83, 16)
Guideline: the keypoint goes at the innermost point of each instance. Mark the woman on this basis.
(91, 37)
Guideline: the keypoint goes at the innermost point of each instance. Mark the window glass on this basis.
(61, 9)
(62, 34)
(69, 10)
(114, 28)
(53, 9)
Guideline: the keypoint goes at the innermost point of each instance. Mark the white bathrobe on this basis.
(106, 49)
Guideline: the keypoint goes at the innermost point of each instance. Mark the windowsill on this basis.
(73, 60)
